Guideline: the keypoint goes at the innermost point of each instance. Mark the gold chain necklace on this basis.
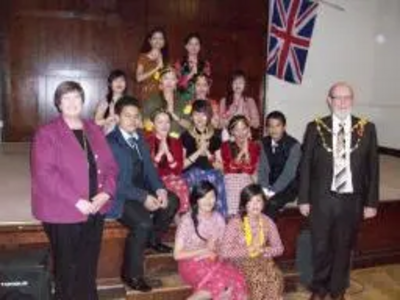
(359, 126)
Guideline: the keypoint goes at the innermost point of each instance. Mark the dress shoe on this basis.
(315, 296)
(161, 248)
(137, 284)
(340, 297)
(153, 282)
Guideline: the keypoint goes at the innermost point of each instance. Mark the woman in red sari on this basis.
(167, 153)
(240, 159)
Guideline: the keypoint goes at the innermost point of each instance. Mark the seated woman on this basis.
(202, 153)
(192, 64)
(202, 85)
(240, 159)
(168, 99)
(251, 241)
(167, 154)
(237, 102)
(116, 88)
(196, 244)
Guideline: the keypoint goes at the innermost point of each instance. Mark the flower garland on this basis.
(248, 235)
(358, 127)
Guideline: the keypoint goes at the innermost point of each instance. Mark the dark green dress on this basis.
(181, 108)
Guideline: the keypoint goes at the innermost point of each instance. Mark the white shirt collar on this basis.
(127, 135)
(336, 122)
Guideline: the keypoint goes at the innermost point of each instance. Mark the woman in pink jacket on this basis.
(73, 181)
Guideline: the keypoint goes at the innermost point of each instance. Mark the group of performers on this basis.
(175, 155)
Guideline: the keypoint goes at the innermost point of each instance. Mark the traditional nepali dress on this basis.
(150, 86)
(203, 169)
(171, 173)
(157, 101)
(186, 85)
(213, 276)
(264, 279)
(245, 106)
(238, 174)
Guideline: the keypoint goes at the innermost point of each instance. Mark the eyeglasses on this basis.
(346, 97)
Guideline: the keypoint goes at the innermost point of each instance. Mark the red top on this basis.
(229, 150)
(164, 167)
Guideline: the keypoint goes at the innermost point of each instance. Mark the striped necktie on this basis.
(340, 161)
(132, 141)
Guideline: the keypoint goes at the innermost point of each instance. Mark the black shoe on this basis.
(161, 248)
(137, 284)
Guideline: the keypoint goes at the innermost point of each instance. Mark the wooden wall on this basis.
(44, 42)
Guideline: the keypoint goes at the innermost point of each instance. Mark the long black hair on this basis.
(245, 196)
(114, 74)
(199, 191)
(203, 106)
(229, 90)
(201, 63)
(146, 47)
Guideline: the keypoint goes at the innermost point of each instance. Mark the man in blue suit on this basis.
(142, 203)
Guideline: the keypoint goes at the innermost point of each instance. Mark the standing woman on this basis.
(167, 154)
(168, 99)
(117, 87)
(237, 102)
(202, 85)
(251, 241)
(240, 157)
(197, 242)
(153, 57)
(191, 65)
(73, 181)
(202, 152)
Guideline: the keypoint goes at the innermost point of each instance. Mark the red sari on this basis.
(171, 173)
(238, 174)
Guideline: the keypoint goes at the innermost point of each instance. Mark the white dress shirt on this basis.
(336, 122)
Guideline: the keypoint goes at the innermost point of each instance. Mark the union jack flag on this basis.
(291, 28)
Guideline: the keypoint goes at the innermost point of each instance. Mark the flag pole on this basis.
(330, 4)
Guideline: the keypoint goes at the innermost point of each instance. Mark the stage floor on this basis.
(15, 183)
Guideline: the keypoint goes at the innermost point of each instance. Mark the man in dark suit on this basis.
(142, 203)
(279, 160)
(339, 180)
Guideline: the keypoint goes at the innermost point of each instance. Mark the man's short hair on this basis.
(276, 115)
(124, 102)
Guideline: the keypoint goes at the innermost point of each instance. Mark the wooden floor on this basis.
(379, 283)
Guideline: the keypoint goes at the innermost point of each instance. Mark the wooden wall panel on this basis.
(54, 40)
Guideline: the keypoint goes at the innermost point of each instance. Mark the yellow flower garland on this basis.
(248, 235)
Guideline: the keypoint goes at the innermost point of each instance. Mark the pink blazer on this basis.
(59, 171)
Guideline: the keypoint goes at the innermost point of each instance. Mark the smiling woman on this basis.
(73, 180)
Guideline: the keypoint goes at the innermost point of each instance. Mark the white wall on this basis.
(361, 46)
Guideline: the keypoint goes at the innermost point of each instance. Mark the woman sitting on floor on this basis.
(240, 158)
(167, 154)
(251, 241)
(202, 153)
(196, 245)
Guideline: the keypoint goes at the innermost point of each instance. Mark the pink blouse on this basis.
(234, 246)
(245, 106)
(210, 228)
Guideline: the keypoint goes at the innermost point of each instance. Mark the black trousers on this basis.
(144, 227)
(75, 251)
(279, 200)
(334, 222)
